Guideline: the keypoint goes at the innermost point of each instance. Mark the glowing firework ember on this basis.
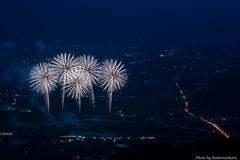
(43, 80)
(63, 64)
(77, 85)
(91, 70)
(113, 77)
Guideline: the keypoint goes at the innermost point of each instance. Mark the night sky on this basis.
(98, 21)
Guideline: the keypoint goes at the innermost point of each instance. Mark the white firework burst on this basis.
(113, 77)
(43, 80)
(90, 66)
(63, 64)
(77, 85)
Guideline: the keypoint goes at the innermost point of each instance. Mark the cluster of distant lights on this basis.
(6, 134)
(71, 138)
(162, 56)
(147, 60)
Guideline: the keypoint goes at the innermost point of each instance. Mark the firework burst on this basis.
(113, 77)
(63, 64)
(77, 85)
(90, 67)
(43, 80)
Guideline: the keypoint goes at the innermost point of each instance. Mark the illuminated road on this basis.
(213, 124)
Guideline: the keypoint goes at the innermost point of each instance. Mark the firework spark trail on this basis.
(92, 98)
(202, 119)
(77, 85)
(113, 78)
(43, 80)
(90, 66)
(63, 93)
(63, 64)
(110, 101)
(46, 98)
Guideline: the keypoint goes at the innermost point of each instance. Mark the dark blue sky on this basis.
(95, 20)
